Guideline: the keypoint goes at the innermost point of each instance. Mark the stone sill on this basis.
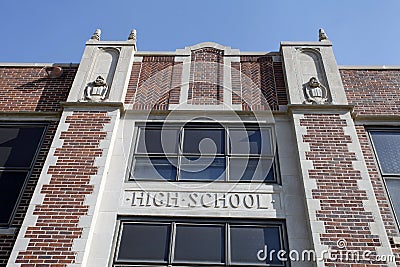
(8, 231)
(92, 105)
(321, 107)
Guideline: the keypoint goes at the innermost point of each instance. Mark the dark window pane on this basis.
(204, 168)
(144, 242)
(393, 186)
(18, 145)
(199, 243)
(155, 168)
(247, 241)
(251, 169)
(158, 140)
(387, 146)
(204, 141)
(11, 184)
(250, 141)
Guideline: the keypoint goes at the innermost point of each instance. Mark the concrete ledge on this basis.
(376, 118)
(306, 43)
(8, 231)
(321, 107)
(31, 115)
(93, 105)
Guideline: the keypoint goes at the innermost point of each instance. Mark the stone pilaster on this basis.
(342, 209)
(58, 227)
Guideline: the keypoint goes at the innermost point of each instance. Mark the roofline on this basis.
(175, 53)
(172, 53)
(17, 64)
(383, 67)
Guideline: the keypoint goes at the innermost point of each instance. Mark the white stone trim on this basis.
(88, 222)
(313, 205)
(185, 78)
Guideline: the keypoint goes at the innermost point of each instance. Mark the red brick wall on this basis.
(341, 200)
(373, 91)
(52, 236)
(262, 73)
(206, 77)
(257, 81)
(7, 241)
(379, 190)
(154, 83)
(29, 88)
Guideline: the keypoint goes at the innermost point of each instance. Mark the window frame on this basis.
(226, 126)
(226, 242)
(29, 169)
(383, 176)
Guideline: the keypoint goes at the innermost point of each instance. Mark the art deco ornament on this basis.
(96, 35)
(96, 91)
(315, 92)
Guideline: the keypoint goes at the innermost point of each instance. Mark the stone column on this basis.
(58, 226)
(342, 208)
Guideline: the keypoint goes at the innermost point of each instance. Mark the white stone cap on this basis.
(174, 53)
(306, 43)
(110, 43)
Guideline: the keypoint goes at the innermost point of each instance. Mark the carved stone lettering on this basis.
(203, 200)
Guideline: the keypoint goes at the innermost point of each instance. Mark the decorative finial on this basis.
(96, 35)
(322, 35)
(132, 36)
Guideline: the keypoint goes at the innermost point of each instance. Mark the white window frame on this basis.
(28, 170)
(226, 126)
(384, 176)
(173, 222)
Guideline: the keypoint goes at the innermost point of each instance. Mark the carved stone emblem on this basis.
(315, 92)
(97, 90)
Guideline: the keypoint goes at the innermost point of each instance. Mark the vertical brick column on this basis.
(343, 210)
(57, 226)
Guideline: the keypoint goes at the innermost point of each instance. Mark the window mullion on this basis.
(227, 245)
(171, 253)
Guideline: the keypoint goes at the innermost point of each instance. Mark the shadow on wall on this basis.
(44, 93)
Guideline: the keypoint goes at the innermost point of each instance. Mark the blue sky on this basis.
(363, 32)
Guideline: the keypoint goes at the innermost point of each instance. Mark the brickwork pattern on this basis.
(257, 81)
(51, 238)
(341, 200)
(373, 92)
(154, 83)
(7, 241)
(206, 77)
(379, 190)
(262, 82)
(29, 89)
